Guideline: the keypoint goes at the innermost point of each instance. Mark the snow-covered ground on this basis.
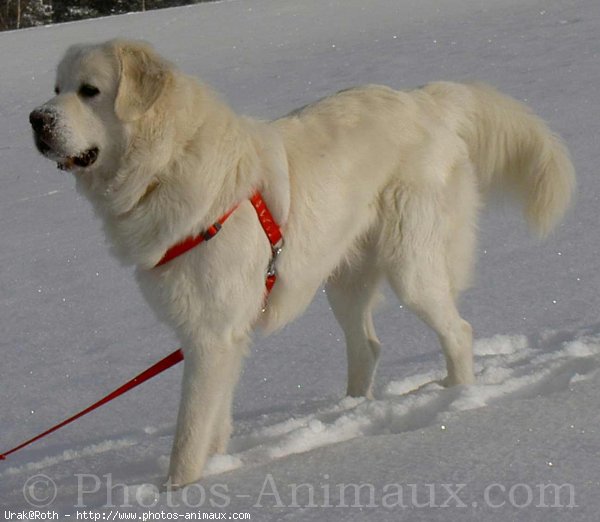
(74, 326)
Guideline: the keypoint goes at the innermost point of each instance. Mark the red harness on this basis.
(268, 223)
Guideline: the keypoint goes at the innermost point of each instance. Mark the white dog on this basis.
(367, 184)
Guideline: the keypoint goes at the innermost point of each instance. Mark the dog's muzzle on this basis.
(44, 122)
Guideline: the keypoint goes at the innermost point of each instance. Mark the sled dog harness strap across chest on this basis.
(273, 233)
(268, 223)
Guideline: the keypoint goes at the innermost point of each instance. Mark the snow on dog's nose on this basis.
(41, 120)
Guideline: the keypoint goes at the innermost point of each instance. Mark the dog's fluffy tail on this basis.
(516, 149)
(513, 148)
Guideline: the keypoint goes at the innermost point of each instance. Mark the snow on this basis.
(74, 326)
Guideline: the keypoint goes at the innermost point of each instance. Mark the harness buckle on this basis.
(212, 231)
(275, 251)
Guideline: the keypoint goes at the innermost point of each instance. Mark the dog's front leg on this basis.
(210, 374)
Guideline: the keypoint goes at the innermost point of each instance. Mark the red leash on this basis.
(273, 233)
(159, 367)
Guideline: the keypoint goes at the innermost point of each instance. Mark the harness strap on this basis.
(266, 219)
(192, 241)
(274, 235)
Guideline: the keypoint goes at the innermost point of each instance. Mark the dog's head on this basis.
(100, 89)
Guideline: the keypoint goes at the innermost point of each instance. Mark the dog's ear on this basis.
(144, 76)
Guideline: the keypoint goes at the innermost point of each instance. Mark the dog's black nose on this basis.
(40, 119)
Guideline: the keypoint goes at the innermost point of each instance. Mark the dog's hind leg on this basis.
(351, 292)
(425, 288)
(421, 263)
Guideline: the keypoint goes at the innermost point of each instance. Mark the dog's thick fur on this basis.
(367, 184)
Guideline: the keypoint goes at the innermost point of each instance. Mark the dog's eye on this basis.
(88, 91)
